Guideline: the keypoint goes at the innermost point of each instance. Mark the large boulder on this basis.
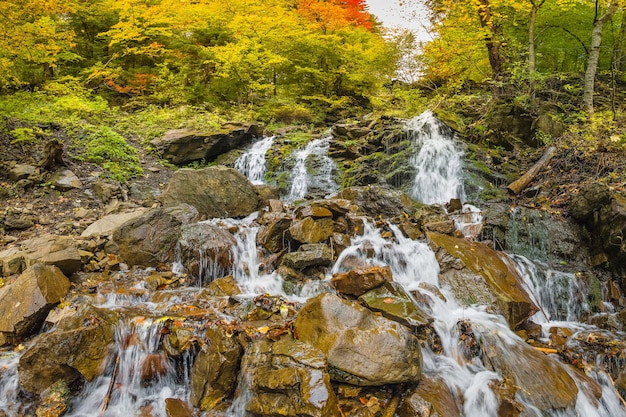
(358, 281)
(478, 274)
(312, 254)
(216, 191)
(539, 379)
(205, 249)
(309, 230)
(181, 146)
(431, 398)
(107, 224)
(151, 237)
(25, 304)
(272, 234)
(288, 378)
(214, 372)
(362, 347)
(75, 352)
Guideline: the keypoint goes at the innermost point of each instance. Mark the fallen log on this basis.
(522, 182)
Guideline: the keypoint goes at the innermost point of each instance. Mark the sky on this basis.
(392, 15)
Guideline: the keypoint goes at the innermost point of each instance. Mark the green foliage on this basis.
(23, 135)
(102, 145)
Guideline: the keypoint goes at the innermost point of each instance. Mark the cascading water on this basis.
(9, 386)
(438, 161)
(413, 264)
(313, 170)
(252, 162)
(140, 378)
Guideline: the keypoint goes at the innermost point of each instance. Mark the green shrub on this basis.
(102, 145)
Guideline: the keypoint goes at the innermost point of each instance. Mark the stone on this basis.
(222, 287)
(151, 237)
(308, 255)
(362, 348)
(431, 398)
(393, 302)
(175, 407)
(376, 200)
(272, 235)
(22, 171)
(66, 180)
(25, 304)
(217, 191)
(106, 191)
(214, 372)
(309, 230)
(19, 221)
(181, 146)
(589, 200)
(75, 352)
(315, 211)
(358, 281)
(107, 224)
(540, 380)
(288, 378)
(205, 247)
(478, 274)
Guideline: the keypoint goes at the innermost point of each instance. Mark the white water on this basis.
(313, 170)
(252, 162)
(136, 341)
(438, 163)
(412, 263)
(9, 385)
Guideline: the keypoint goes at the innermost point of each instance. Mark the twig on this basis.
(107, 397)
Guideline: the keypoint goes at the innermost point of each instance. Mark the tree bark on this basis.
(594, 54)
(522, 182)
(496, 61)
(535, 6)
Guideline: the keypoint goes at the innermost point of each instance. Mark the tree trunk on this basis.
(492, 40)
(531, 36)
(594, 55)
(522, 182)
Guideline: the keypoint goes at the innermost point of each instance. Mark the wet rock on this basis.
(151, 237)
(222, 287)
(272, 235)
(216, 191)
(214, 371)
(22, 171)
(315, 254)
(181, 146)
(203, 245)
(362, 348)
(540, 380)
(314, 211)
(375, 201)
(431, 398)
(66, 180)
(154, 366)
(107, 224)
(361, 280)
(74, 352)
(393, 302)
(175, 407)
(309, 230)
(478, 274)
(54, 401)
(288, 378)
(25, 304)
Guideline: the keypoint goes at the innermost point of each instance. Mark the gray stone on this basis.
(216, 191)
(66, 180)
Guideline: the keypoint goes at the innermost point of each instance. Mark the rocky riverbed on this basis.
(196, 292)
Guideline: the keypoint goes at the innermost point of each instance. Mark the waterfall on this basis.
(245, 260)
(560, 295)
(313, 171)
(139, 378)
(438, 164)
(9, 385)
(252, 162)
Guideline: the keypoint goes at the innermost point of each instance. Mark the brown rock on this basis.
(359, 281)
(309, 230)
